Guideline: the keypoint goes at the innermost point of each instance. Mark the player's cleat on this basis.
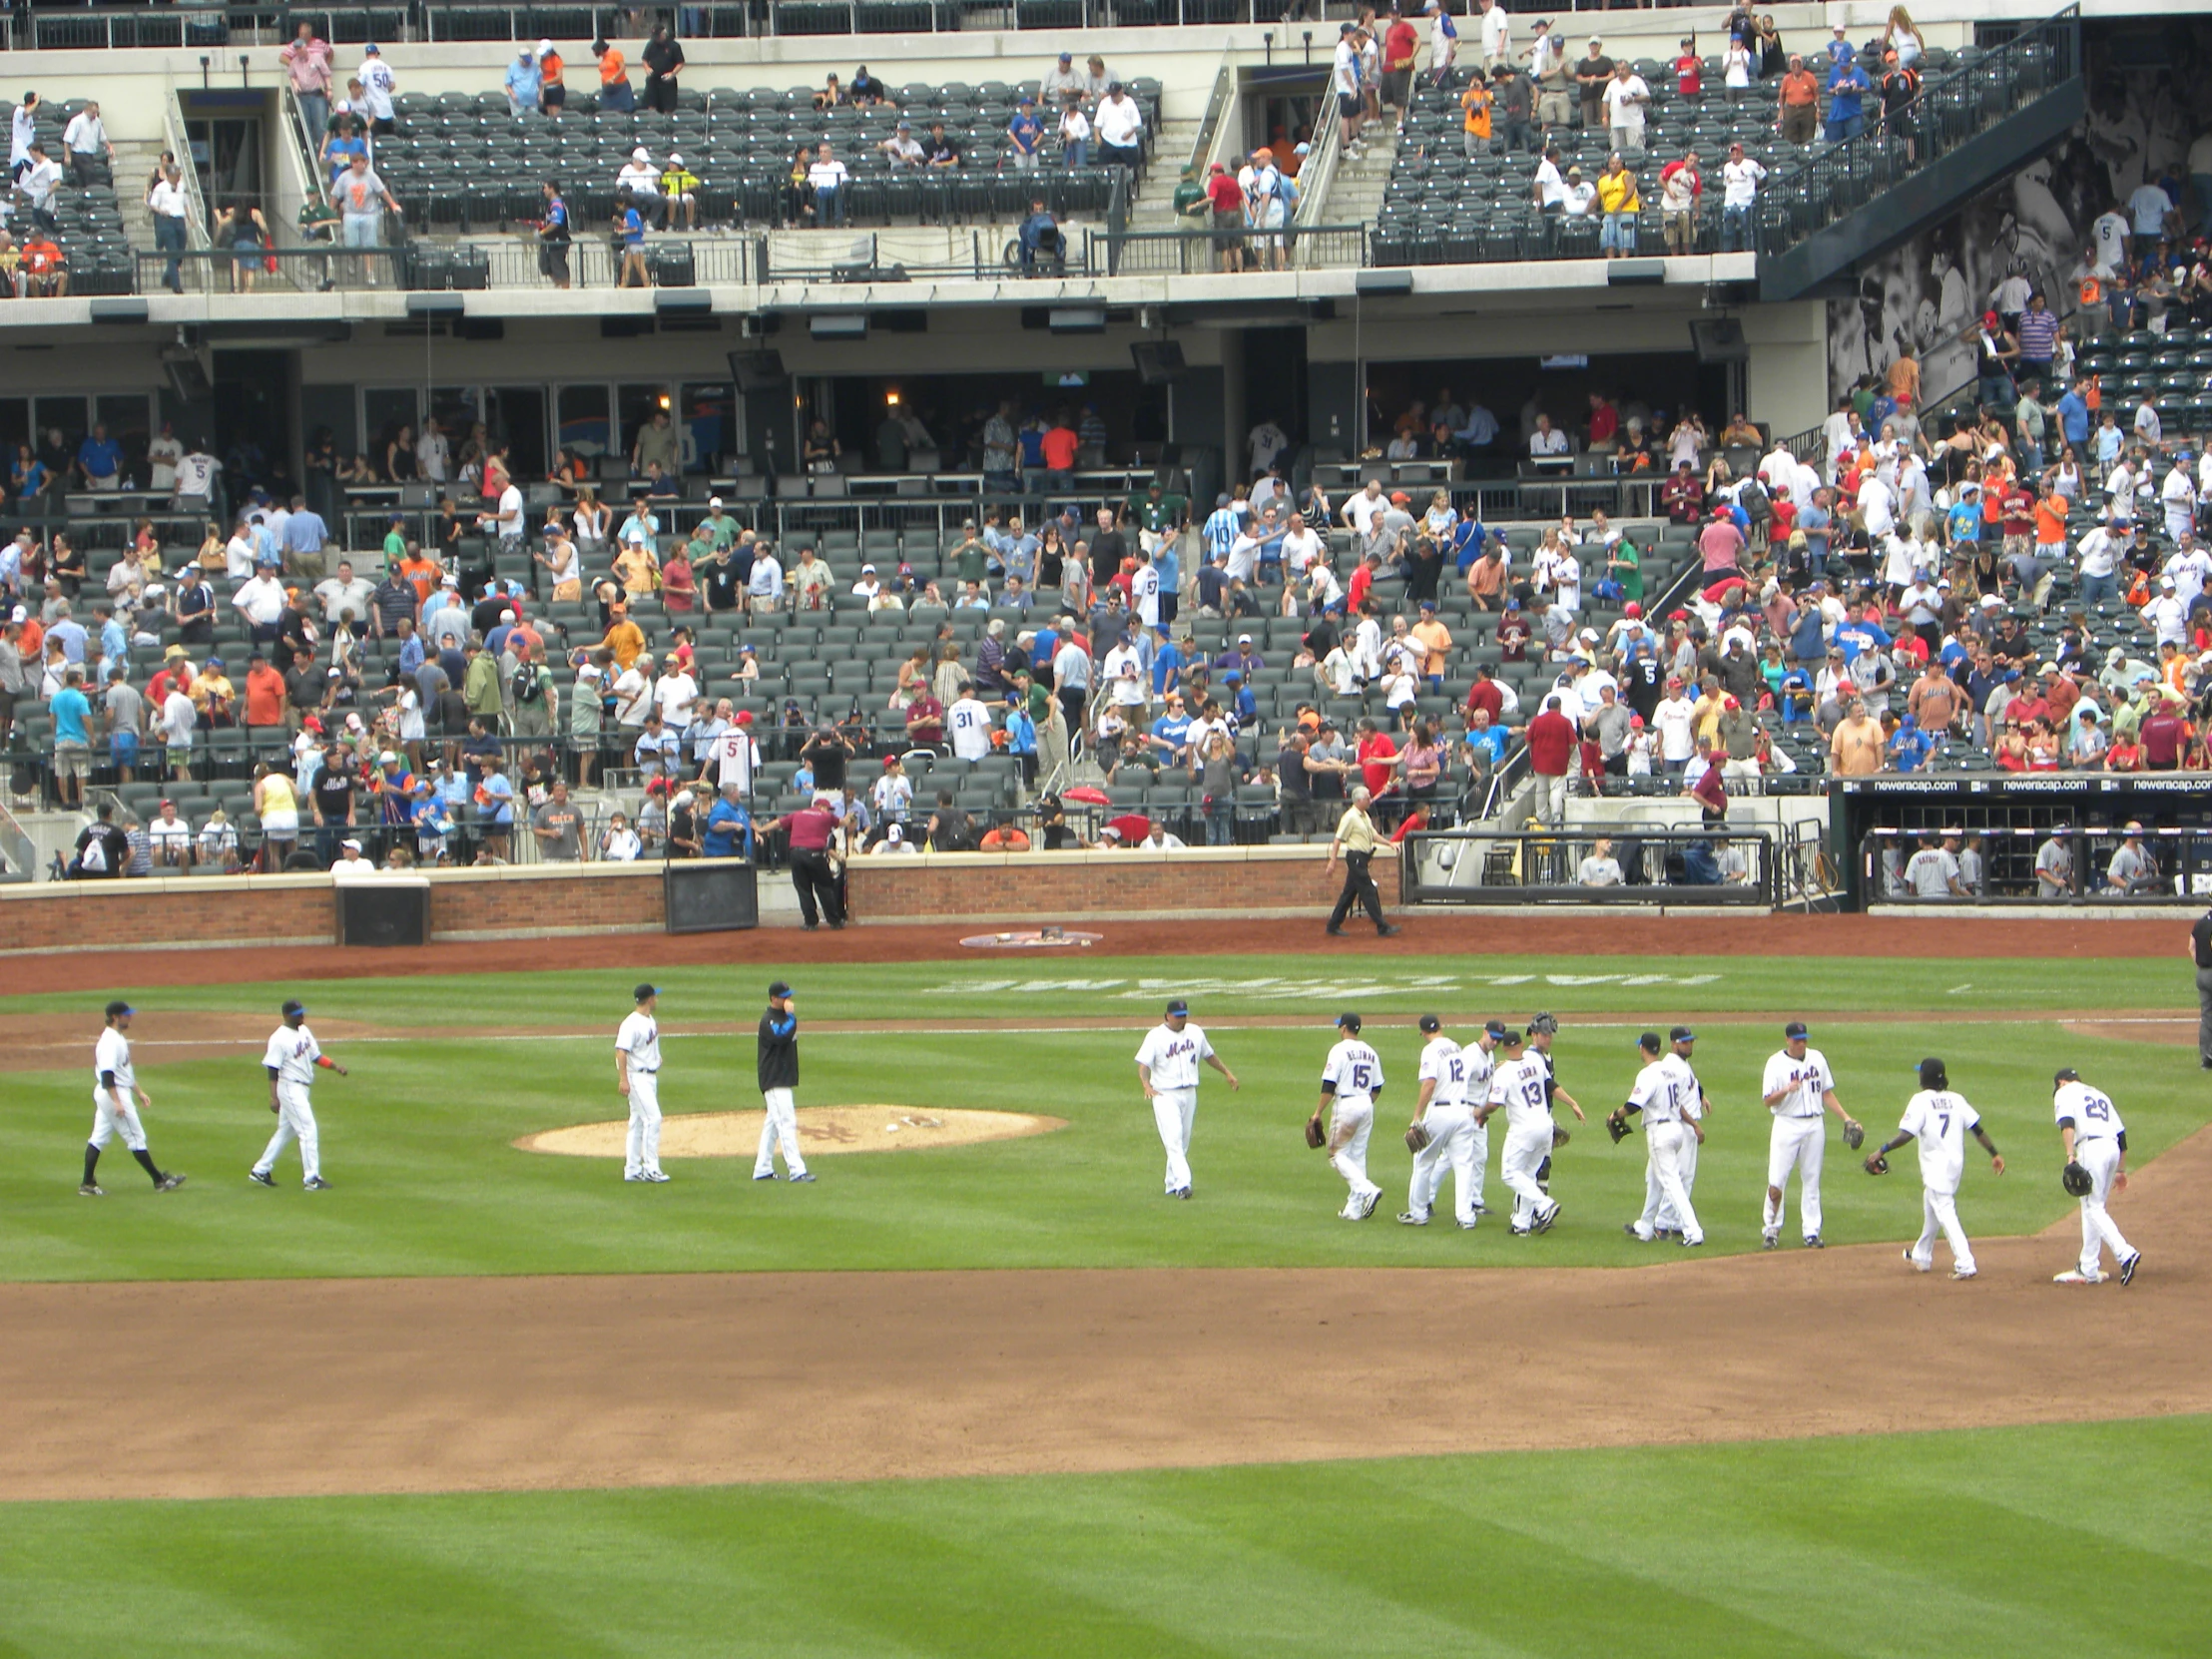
(1693, 1243)
(1916, 1266)
(1629, 1228)
(1180, 1191)
(653, 1175)
(804, 1175)
(1481, 1209)
(1367, 1203)
(1812, 1241)
(2204, 1062)
(1518, 1232)
(257, 1176)
(1406, 1218)
(627, 1176)
(1965, 1272)
(764, 1175)
(2128, 1266)
(1666, 1232)
(1768, 1240)
(2074, 1276)
(1543, 1223)
(1467, 1226)
(88, 1190)
(315, 1184)
(169, 1183)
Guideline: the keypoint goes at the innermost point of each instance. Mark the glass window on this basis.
(15, 425)
(385, 409)
(128, 420)
(634, 407)
(583, 420)
(65, 414)
(709, 422)
(517, 415)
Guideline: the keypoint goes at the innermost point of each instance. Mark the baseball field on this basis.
(981, 1390)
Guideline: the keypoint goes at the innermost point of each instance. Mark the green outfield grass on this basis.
(1998, 1544)
(417, 1140)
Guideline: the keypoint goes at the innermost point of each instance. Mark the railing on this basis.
(1807, 879)
(1324, 149)
(1219, 94)
(18, 853)
(2178, 867)
(173, 129)
(1637, 866)
(1195, 253)
(423, 265)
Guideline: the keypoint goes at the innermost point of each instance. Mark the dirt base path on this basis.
(1425, 932)
(375, 1385)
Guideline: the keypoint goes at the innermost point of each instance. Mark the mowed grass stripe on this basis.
(1915, 1547)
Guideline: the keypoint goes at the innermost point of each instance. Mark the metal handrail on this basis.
(1319, 175)
(1222, 89)
(197, 231)
(1189, 252)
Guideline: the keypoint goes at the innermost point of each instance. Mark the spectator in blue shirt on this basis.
(1908, 749)
(1167, 666)
(1241, 701)
(633, 247)
(2074, 416)
(100, 460)
(498, 797)
(1847, 84)
(1964, 517)
(72, 714)
(729, 827)
(340, 149)
(66, 631)
(1027, 133)
(526, 83)
(305, 535)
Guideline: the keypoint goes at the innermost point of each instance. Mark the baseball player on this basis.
(1941, 1121)
(1167, 1069)
(2095, 1143)
(1662, 1090)
(1524, 1087)
(779, 1076)
(113, 1110)
(1542, 1030)
(1349, 1081)
(1800, 1091)
(1681, 1041)
(1443, 1131)
(638, 1078)
(291, 1060)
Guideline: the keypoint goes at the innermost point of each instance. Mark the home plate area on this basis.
(824, 1130)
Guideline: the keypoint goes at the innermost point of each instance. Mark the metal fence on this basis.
(426, 264)
(1199, 253)
(1635, 866)
(2097, 864)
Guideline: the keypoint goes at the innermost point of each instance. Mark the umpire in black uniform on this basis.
(1356, 843)
(813, 832)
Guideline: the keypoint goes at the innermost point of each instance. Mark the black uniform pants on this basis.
(816, 887)
(1360, 890)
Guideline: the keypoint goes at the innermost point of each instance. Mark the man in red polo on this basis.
(1551, 754)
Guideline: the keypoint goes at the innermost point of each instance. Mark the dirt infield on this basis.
(2177, 1029)
(825, 1131)
(1425, 932)
(373, 1386)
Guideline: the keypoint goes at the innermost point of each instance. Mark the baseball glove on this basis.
(1558, 1137)
(1854, 1135)
(1878, 1164)
(1416, 1138)
(2076, 1180)
(1617, 1127)
(1315, 1136)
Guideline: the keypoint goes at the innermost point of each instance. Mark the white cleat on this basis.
(2073, 1275)
(1916, 1266)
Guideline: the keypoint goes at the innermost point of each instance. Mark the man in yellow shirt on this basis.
(1475, 101)
(1619, 202)
(1434, 641)
(624, 638)
(1356, 843)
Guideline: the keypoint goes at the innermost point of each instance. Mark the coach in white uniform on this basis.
(2092, 1135)
(1445, 1114)
(1941, 1121)
(638, 1077)
(1661, 1090)
(1800, 1091)
(1522, 1086)
(1167, 1069)
(291, 1059)
(116, 1098)
(1349, 1081)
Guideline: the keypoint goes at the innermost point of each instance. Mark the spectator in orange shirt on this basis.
(44, 270)
(419, 571)
(1059, 445)
(265, 693)
(1801, 103)
(614, 77)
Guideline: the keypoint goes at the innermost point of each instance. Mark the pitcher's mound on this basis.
(822, 1129)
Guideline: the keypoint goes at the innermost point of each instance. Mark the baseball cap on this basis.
(1429, 1023)
(350, 845)
(1795, 1029)
(1649, 1041)
(294, 1006)
(778, 991)
(1179, 1007)
(117, 1009)
(1682, 1034)
(644, 991)
(1495, 1028)
(1349, 1021)
(2064, 1074)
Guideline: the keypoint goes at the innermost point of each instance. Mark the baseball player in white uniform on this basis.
(1661, 1091)
(1166, 1068)
(1522, 1086)
(638, 1078)
(1444, 1113)
(115, 1099)
(1349, 1081)
(2091, 1134)
(291, 1060)
(1800, 1091)
(1668, 1222)
(1941, 1121)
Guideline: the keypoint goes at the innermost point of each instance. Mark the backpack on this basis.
(526, 686)
(1752, 499)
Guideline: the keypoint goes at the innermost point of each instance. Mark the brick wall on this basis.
(538, 901)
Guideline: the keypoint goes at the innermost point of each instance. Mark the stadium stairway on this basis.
(1355, 192)
(1154, 207)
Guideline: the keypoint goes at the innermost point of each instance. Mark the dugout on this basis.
(1868, 817)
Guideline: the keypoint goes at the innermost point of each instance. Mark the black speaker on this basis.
(383, 912)
(711, 896)
(1159, 362)
(757, 370)
(1719, 339)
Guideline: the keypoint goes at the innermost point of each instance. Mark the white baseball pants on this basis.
(782, 1128)
(1668, 1216)
(1664, 1192)
(1524, 1154)
(1939, 1214)
(294, 1120)
(642, 1152)
(1174, 1110)
(1350, 1125)
(2101, 1158)
(1450, 1145)
(109, 1121)
(1798, 1143)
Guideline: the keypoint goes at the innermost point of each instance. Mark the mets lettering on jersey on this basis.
(292, 1055)
(1174, 1056)
(1807, 1081)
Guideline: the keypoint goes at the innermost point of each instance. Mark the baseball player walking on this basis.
(638, 1079)
(2095, 1143)
(1661, 1091)
(1443, 1131)
(291, 1060)
(1166, 1068)
(1524, 1087)
(1668, 1222)
(115, 1099)
(779, 1076)
(1941, 1121)
(1800, 1091)
(1349, 1081)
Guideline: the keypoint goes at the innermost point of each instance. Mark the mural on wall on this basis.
(2147, 104)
